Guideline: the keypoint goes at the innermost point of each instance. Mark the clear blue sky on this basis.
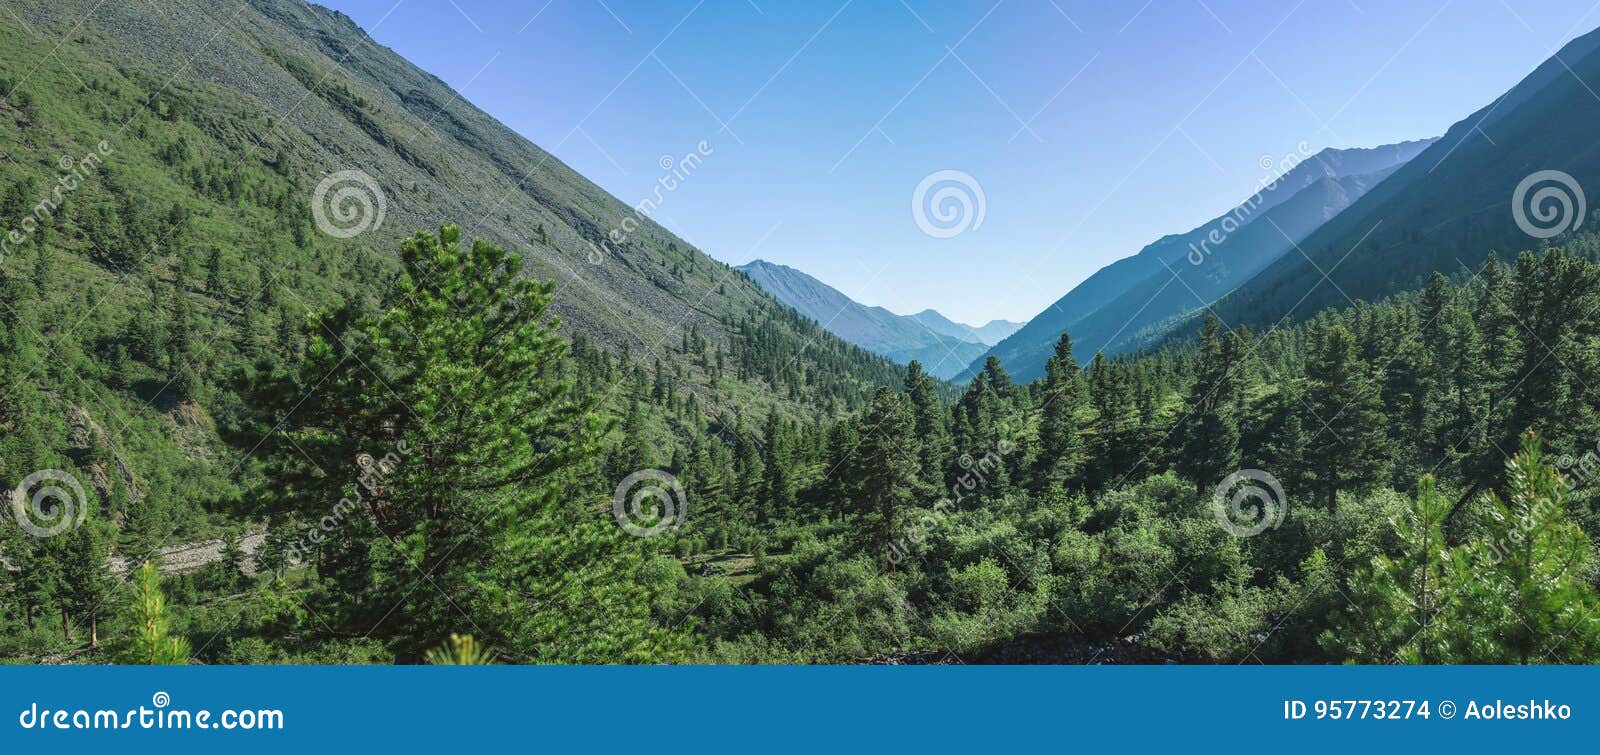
(823, 116)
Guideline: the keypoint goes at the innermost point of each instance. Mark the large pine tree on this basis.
(1210, 446)
(886, 472)
(1062, 450)
(1349, 447)
(473, 521)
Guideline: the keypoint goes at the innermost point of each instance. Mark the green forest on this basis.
(1427, 515)
(235, 438)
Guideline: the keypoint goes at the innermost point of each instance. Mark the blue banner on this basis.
(793, 709)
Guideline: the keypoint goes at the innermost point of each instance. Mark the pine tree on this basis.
(1557, 301)
(1349, 448)
(777, 482)
(1502, 348)
(887, 473)
(1111, 394)
(147, 639)
(839, 478)
(932, 436)
(86, 582)
(1210, 449)
(492, 447)
(749, 471)
(460, 650)
(232, 563)
(1062, 450)
(1455, 377)
(1526, 598)
(1403, 606)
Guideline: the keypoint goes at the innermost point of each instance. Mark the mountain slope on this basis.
(1148, 310)
(188, 249)
(899, 337)
(1229, 248)
(1451, 205)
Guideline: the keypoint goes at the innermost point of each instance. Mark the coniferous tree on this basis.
(460, 650)
(1525, 595)
(1556, 299)
(86, 583)
(1114, 451)
(1062, 450)
(1210, 446)
(777, 483)
(932, 436)
(491, 445)
(1502, 356)
(887, 473)
(1455, 378)
(1349, 448)
(147, 639)
(749, 471)
(1403, 605)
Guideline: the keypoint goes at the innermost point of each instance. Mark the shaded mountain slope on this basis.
(1024, 352)
(1451, 205)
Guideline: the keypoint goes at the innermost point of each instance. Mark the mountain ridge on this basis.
(942, 346)
(1025, 351)
(1414, 224)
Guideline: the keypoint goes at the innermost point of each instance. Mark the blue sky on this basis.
(1091, 127)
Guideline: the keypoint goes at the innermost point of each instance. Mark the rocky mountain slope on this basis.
(184, 183)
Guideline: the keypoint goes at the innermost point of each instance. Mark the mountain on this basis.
(1453, 204)
(989, 333)
(944, 347)
(1137, 299)
(181, 150)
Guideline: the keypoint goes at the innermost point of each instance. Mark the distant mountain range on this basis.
(943, 346)
(1138, 299)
